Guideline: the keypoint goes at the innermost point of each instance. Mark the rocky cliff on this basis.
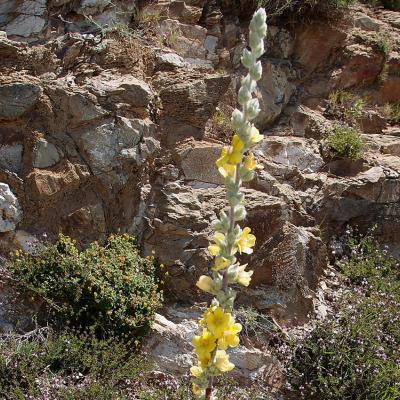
(113, 113)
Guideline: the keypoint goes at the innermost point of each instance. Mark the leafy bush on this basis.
(355, 355)
(75, 366)
(392, 112)
(305, 10)
(109, 289)
(390, 4)
(346, 106)
(345, 142)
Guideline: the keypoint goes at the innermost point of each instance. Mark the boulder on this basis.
(293, 152)
(363, 66)
(104, 144)
(197, 161)
(10, 210)
(189, 100)
(276, 90)
(11, 157)
(185, 40)
(44, 154)
(65, 176)
(124, 88)
(17, 98)
(26, 18)
(88, 7)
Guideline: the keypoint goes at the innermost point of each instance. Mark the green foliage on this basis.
(345, 142)
(346, 105)
(75, 366)
(109, 289)
(390, 4)
(392, 112)
(384, 44)
(305, 10)
(72, 366)
(355, 355)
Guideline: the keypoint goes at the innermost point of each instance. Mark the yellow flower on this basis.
(196, 390)
(204, 360)
(231, 154)
(196, 371)
(246, 241)
(250, 162)
(228, 170)
(221, 263)
(206, 284)
(222, 361)
(218, 321)
(255, 136)
(204, 344)
(230, 337)
(215, 249)
(244, 277)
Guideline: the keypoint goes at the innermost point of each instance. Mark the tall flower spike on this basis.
(237, 164)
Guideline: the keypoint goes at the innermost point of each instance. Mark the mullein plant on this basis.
(218, 330)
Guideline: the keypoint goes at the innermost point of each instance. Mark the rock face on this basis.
(169, 346)
(113, 131)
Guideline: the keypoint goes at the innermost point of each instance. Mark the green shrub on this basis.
(305, 10)
(355, 354)
(109, 289)
(392, 112)
(345, 142)
(392, 4)
(75, 366)
(346, 106)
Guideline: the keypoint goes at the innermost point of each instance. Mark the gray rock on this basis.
(45, 154)
(276, 90)
(17, 98)
(29, 18)
(169, 347)
(367, 23)
(83, 109)
(105, 144)
(124, 88)
(11, 157)
(92, 6)
(10, 211)
(197, 161)
(292, 152)
(169, 60)
(210, 44)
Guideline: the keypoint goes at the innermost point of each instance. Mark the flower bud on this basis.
(249, 83)
(259, 50)
(247, 59)
(207, 284)
(254, 40)
(240, 213)
(232, 272)
(256, 71)
(258, 22)
(252, 109)
(244, 95)
(237, 119)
